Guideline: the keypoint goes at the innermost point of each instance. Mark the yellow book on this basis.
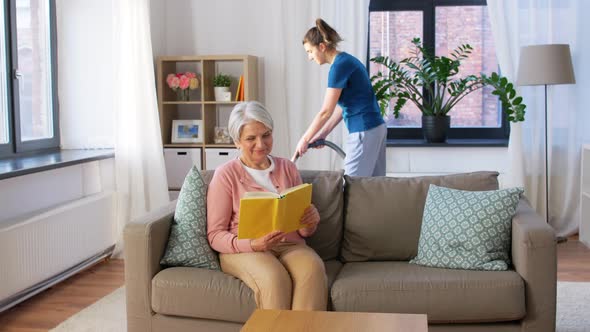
(264, 212)
(242, 90)
(240, 86)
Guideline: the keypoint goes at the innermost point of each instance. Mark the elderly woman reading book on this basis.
(282, 271)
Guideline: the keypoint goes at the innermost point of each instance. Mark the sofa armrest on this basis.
(145, 241)
(534, 255)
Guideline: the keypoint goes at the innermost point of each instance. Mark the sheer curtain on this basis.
(85, 72)
(108, 99)
(139, 162)
(523, 22)
(306, 82)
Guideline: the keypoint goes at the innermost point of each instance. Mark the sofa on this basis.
(368, 232)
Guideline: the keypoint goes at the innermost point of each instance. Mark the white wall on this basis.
(441, 160)
(22, 195)
(251, 27)
(158, 24)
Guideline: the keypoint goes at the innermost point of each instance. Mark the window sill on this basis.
(450, 143)
(17, 166)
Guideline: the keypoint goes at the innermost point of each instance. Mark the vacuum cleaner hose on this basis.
(321, 142)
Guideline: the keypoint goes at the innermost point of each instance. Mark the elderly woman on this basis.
(280, 268)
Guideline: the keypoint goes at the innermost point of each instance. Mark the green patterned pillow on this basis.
(467, 229)
(187, 244)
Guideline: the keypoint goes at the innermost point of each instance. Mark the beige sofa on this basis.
(369, 230)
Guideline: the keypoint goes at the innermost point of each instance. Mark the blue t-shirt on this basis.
(358, 101)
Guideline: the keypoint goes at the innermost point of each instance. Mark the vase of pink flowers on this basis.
(182, 83)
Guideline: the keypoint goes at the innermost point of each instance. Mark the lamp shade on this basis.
(545, 64)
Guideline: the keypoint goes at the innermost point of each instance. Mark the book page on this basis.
(261, 194)
(292, 189)
(291, 208)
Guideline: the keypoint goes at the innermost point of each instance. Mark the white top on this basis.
(262, 176)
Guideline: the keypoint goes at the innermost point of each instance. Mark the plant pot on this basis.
(435, 128)
(222, 93)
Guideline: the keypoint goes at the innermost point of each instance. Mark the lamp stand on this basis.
(559, 239)
(546, 160)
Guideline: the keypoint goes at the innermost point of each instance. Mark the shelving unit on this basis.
(585, 197)
(202, 104)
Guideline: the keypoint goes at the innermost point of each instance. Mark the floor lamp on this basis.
(545, 65)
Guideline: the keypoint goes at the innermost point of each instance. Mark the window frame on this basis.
(428, 8)
(15, 146)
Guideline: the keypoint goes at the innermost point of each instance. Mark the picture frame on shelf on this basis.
(187, 131)
(221, 136)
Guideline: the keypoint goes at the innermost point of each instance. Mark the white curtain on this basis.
(140, 172)
(523, 22)
(306, 82)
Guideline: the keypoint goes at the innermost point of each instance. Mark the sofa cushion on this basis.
(445, 295)
(187, 243)
(328, 197)
(207, 175)
(467, 229)
(202, 293)
(333, 267)
(382, 216)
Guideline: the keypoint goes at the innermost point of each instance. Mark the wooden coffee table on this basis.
(327, 321)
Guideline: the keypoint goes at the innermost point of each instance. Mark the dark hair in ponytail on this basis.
(322, 33)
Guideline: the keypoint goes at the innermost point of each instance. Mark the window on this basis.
(442, 25)
(28, 85)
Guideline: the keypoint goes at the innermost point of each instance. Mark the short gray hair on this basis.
(244, 113)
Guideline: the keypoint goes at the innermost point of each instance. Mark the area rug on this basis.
(108, 313)
(105, 315)
(573, 307)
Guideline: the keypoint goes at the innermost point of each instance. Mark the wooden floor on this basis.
(573, 261)
(53, 306)
(46, 310)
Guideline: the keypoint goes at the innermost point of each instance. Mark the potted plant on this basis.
(221, 85)
(430, 82)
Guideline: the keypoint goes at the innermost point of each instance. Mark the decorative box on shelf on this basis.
(178, 163)
(216, 156)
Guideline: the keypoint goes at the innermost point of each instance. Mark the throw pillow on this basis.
(187, 244)
(467, 229)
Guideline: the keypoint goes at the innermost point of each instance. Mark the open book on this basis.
(264, 212)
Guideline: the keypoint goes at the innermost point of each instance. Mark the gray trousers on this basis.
(365, 152)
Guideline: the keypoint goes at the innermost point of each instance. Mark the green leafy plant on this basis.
(221, 80)
(430, 83)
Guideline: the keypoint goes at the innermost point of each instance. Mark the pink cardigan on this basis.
(228, 185)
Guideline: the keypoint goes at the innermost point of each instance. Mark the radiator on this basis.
(43, 248)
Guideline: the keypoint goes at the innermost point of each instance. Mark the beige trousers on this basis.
(290, 276)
